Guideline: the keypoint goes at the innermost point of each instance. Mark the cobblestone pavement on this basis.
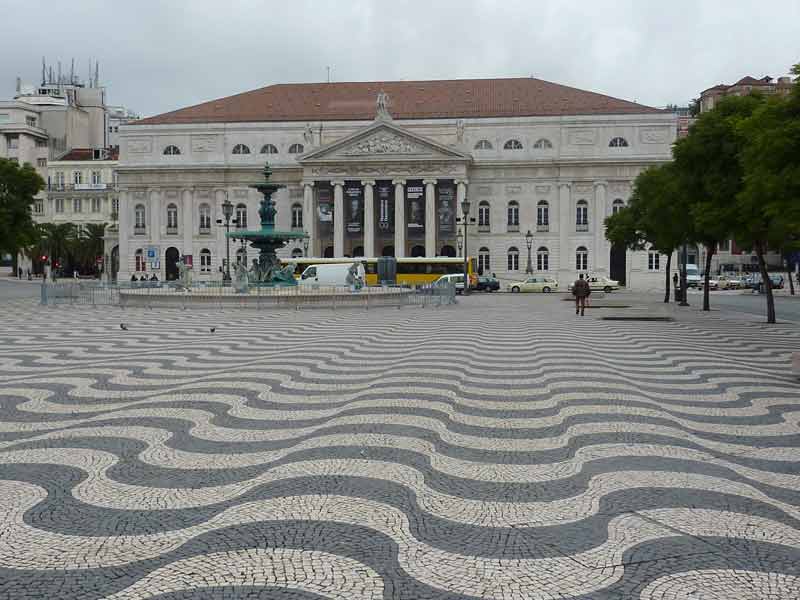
(502, 448)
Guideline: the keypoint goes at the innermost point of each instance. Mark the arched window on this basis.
(483, 145)
(513, 214)
(205, 218)
(617, 205)
(447, 250)
(139, 259)
(138, 213)
(582, 216)
(542, 259)
(205, 260)
(172, 218)
(543, 144)
(358, 251)
(483, 214)
(618, 142)
(297, 216)
(387, 251)
(172, 150)
(513, 259)
(297, 253)
(512, 145)
(483, 260)
(418, 251)
(581, 258)
(241, 256)
(241, 149)
(543, 216)
(268, 149)
(296, 149)
(241, 216)
(328, 253)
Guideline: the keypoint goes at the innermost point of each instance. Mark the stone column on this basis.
(430, 217)
(399, 217)
(338, 218)
(188, 224)
(310, 217)
(564, 254)
(155, 209)
(125, 229)
(598, 259)
(369, 217)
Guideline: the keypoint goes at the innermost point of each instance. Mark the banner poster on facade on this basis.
(325, 206)
(415, 208)
(447, 209)
(385, 207)
(354, 204)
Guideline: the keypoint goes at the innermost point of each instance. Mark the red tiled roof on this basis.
(748, 80)
(407, 100)
(88, 154)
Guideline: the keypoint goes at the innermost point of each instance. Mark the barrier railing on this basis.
(209, 294)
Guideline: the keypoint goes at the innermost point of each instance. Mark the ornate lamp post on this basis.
(305, 247)
(465, 213)
(529, 242)
(227, 212)
(459, 241)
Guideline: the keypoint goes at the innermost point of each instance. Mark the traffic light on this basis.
(43, 257)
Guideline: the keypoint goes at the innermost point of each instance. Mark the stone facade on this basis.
(556, 176)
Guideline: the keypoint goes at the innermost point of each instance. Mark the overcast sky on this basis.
(159, 56)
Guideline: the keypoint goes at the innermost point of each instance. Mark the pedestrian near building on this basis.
(581, 291)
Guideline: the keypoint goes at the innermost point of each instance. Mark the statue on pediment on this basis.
(382, 107)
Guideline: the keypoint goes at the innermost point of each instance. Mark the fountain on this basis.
(266, 270)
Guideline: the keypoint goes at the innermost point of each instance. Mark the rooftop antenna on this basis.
(97, 73)
(59, 73)
(72, 73)
(329, 73)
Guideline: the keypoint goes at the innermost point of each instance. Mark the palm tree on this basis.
(87, 245)
(55, 241)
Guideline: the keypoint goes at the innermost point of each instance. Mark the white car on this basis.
(600, 284)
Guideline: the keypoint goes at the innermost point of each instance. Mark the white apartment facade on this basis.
(377, 169)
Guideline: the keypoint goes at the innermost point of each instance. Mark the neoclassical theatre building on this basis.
(381, 168)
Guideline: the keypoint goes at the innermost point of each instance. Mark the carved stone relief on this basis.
(384, 143)
(513, 189)
(582, 137)
(542, 189)
(140, 145)
(204, 143)
(583, 187)
(619, 186)
(484, 190)
(654, 135)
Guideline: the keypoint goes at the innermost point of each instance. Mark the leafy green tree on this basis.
(18, 186)
(769, 201)
(654, 216)
(711, 173)
(55, 241)
(87, 245)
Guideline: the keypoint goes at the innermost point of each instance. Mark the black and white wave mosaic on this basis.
(499, 449)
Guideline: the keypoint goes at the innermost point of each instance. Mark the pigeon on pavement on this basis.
(123, 327)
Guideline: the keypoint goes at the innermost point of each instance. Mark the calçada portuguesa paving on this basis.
(502, 448)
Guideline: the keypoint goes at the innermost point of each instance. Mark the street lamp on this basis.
(305, 247)
(227, 212)
(465, 213)
(529, 242)
(459, 241)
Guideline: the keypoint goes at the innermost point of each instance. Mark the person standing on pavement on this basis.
(581, 291)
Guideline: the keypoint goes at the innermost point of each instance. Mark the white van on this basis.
(693, 278)
(330, 274)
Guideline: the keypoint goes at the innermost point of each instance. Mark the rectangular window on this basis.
(77, 205)
(513, 261)
(96, 177)
(95, 205)
(30, 121)
(653, 261)
(77, 177)
(38, 207)
(13, 141)
(60, 179)
(41, 162)
(115, 206)
(59, 205)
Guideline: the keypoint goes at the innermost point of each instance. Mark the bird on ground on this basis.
(213, 329)
(123, 327)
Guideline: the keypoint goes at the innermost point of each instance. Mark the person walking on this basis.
(581, 291)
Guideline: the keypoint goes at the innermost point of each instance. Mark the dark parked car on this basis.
(487, 284)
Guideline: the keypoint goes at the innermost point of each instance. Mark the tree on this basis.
(654, 217)
(769, 201)
(18, 186)
(54, 241)
(87, 245)
(711, 173)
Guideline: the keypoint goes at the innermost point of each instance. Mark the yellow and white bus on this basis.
(410, 271)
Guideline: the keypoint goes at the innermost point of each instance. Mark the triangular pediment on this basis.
(383, 141)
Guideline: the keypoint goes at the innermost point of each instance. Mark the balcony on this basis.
(139, 230)
(82, 187)
(172, 230)
(514, 227)
(205, 230)
(542, 227)
(484, 228)
(581, 227)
